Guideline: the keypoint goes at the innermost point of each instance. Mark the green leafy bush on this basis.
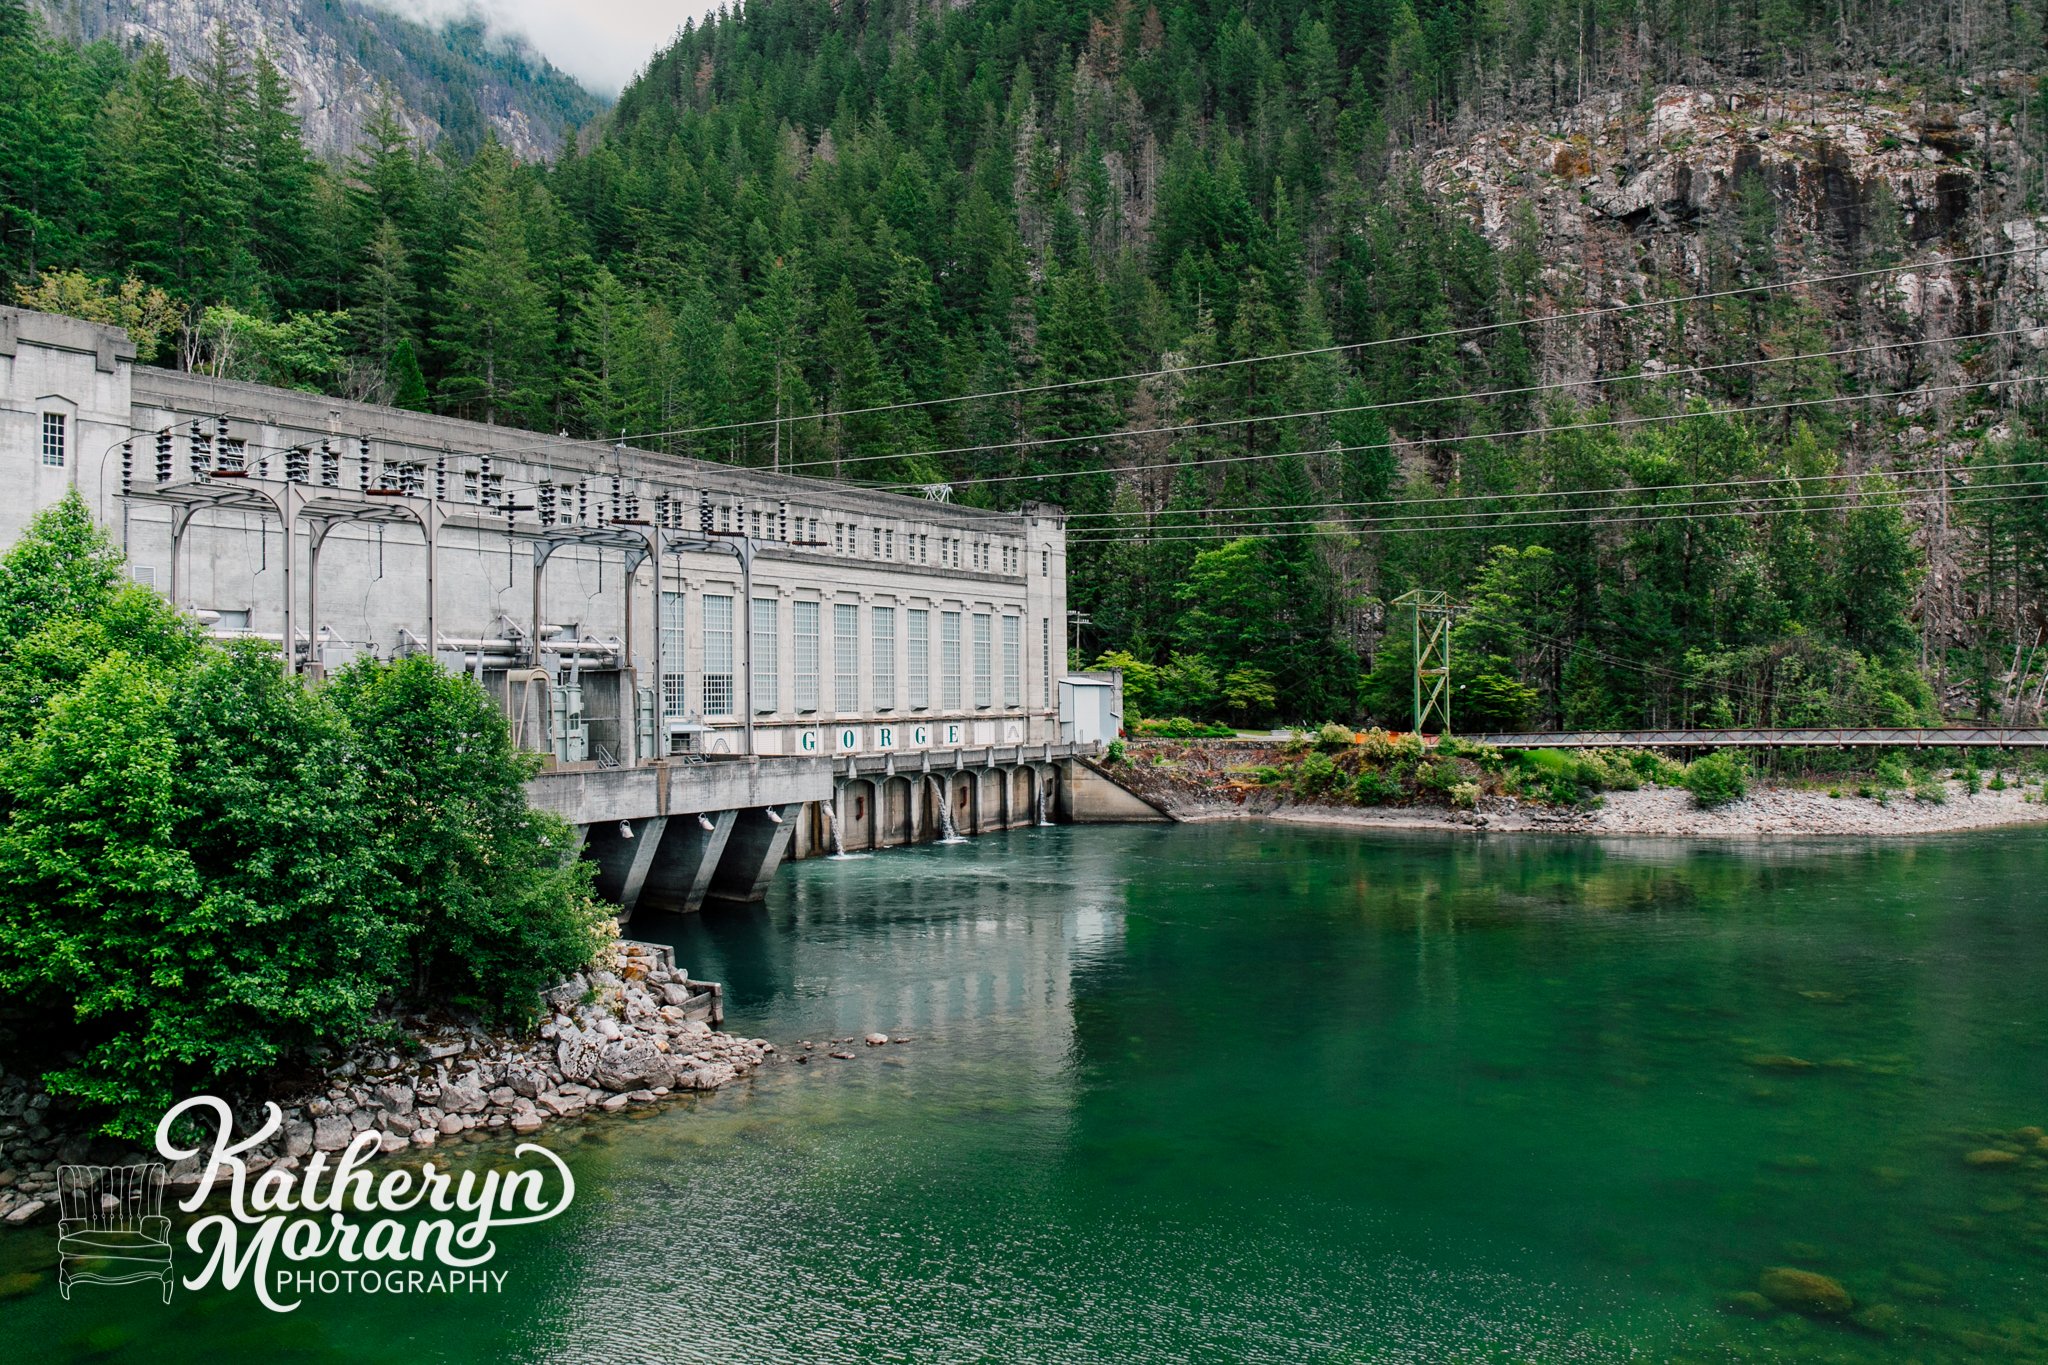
(1653, 767)
(1485, 755)
(1439, 775)
(1377, 746)
(1180, 727)
(1716, 780)
(1332, 737)
(1374, 788)
(1563, 791)
(1316, 775)
(208, 870)
(1562, 778)
(1114, 754)
(496, 910)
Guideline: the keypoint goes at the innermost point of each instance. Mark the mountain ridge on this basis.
(451, 84)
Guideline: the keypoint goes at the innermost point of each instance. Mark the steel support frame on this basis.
(1432, 656)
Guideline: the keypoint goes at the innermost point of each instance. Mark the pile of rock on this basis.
(30, 1140)
(631, 1030)
(619, 1034)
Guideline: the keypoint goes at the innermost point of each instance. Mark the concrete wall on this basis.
(1088, 795)
(880, 552)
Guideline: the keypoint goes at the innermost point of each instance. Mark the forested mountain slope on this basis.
(452, 84)
(1503, 249)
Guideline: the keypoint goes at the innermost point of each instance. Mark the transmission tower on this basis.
(1430, 622)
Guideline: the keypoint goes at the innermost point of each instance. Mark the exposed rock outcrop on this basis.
(341, 58)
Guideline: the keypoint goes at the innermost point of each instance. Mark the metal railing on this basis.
(1795, 737)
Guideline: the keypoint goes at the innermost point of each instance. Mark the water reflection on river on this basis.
(1252, 1093)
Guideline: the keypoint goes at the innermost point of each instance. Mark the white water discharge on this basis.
(1040, 803)
(948, 834)
(832, 831)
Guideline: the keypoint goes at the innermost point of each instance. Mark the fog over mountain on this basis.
(602, 43)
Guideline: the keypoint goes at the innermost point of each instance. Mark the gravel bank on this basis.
(1199, 781)
(1664, 811)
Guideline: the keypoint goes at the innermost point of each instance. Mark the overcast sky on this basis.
(600, 42)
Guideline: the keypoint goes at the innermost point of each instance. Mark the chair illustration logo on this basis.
(112, 1228)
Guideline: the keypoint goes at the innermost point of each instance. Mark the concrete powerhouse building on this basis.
(723, 665)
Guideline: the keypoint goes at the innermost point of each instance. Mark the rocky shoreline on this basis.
(1665, 812)
(1207, 782)
(630, 1030)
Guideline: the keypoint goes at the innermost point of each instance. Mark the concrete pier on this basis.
(669, 836)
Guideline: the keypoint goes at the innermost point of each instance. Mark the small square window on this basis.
(53, 439)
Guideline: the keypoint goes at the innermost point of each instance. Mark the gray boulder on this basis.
(463, 1097)
(577, 1055)
(393, 1096)
(628, 1064)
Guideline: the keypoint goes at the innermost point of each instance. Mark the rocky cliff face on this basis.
(1694, 190)
(341, 56)
(1630, 199)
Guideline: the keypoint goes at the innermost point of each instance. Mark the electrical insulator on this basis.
(163, 456)
(330, 464)
(298, 464)
(127, 466)
(441, 477)
(198, 451)
(704, 513)
(363, 463)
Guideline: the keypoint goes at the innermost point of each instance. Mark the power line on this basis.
(1637, 516)
(1180, 429)
(1654, 670)
(1476, 329)
(1816, 497)
(1761, 481)
(1500, 435)
(1900, 499)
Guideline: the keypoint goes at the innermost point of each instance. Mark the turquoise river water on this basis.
(1259, 1093)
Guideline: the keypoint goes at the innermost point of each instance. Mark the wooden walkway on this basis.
(1846, 737)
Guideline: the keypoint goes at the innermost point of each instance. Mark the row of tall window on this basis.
(959, 676)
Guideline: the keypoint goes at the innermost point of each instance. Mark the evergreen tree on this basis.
(494, 328)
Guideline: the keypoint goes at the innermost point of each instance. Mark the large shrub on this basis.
(1716, 779)
(208, 870)
(187, 862)
(494, 907)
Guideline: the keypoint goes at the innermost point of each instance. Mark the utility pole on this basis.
(1432, 659)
